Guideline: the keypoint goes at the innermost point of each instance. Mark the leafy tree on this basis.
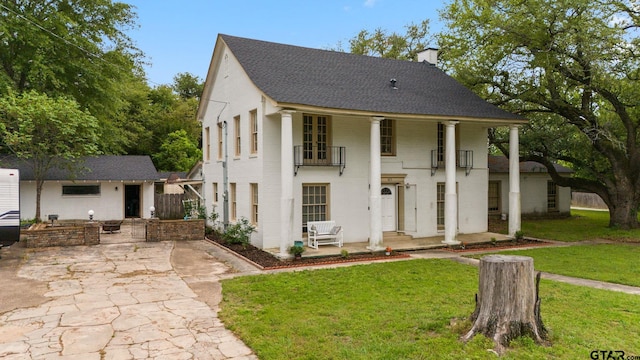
(133, 121)
(47, 132)
(153, 114)
(187, 85)
(75, 48)
(571, 67)
(177, 153)
(395, 46)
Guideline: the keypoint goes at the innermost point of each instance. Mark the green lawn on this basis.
(616, 263)
(404, 310)
(582, 225)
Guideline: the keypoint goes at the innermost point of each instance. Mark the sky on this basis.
(179, 35)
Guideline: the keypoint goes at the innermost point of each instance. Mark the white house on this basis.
(381, 146)
(540, 195)
(114, 187)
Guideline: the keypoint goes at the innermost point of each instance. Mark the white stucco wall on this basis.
(109, 205)
(231, 86)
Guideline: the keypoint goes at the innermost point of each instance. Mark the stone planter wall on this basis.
(85, 234)
(176, 230)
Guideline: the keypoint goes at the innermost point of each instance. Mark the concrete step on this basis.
(395, 236)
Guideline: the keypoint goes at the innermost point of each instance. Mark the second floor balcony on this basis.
(319, 156)
(464, 160)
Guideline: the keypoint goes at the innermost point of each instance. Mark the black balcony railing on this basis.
(464, 159)
(319, 156)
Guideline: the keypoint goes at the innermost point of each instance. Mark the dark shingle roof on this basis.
(500, 164)
(330, 79)
(106, 167)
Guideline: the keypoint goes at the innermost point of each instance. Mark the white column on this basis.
(450, 196)
(286, 181)
(375, 179)
(514, 181)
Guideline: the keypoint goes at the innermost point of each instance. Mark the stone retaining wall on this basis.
(86, 234)
(177, 230)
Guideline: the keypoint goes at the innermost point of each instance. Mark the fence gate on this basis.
(138, 229)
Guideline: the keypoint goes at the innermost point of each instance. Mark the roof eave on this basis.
(399, 116)
(211, 72)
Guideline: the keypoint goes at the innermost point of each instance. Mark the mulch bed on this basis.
(267, 261)
(500, 245)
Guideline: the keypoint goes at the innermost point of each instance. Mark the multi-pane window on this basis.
(236, 126)
(215, 193)
(315, 138)
(494, 197)
(440, 194)
(80, 189)
(207, 144)
(387, 137)
(254, 204)
(440, 144)
(220, 142)
(315, 203)
(232, 198)
(253, 126)
(552, 196)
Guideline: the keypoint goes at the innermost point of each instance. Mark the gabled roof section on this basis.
(106, 167)
(500, 164)
(293, 75)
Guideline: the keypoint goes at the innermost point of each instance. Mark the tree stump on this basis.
(507, 303)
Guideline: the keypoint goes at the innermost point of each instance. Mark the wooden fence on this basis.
(169, 206)
(587, 200)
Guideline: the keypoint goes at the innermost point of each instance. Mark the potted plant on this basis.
(388, 250)
(296, 251)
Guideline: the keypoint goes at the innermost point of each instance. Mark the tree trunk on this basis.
(624, 214)
(38, 196)
(507, 303)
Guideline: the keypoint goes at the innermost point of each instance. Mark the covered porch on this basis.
(398, 243)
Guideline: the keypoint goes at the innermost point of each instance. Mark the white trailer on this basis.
(9, 206)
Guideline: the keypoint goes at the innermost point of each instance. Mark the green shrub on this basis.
(239, 233)
(296, 250)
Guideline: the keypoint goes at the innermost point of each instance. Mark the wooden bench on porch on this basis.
(324, 233)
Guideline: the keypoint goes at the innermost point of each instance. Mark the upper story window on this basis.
(207, 144)
(387, 137)
(253, 127)
(238, 140)
(316, 137)
(442, 143)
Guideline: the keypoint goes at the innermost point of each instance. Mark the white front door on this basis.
(388, 200)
